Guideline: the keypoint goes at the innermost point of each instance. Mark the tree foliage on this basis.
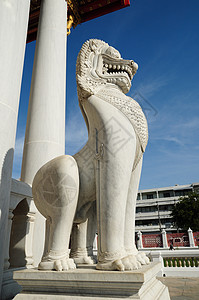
(186, 212)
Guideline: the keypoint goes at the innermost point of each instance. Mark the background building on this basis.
(153, 210)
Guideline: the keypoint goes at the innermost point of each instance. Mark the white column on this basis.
(13, 30)
(164, 239)
(45, 130)
(139, 241)
(191, 238)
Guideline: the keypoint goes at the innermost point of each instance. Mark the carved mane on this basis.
(86, 84)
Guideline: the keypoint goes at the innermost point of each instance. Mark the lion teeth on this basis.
(118, 67)
(122, 67)
(110, 66)
(114, 67)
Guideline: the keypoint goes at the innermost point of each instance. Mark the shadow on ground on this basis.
(182, 288)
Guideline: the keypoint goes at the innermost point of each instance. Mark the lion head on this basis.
(99, 64)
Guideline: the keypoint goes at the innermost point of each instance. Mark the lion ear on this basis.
(93, 45)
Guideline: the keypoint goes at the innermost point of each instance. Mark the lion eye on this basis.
(113, 52)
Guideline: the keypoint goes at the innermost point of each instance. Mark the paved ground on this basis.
(182, 288)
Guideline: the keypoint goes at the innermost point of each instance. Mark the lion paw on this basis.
(127, 263)
(135, 262)
(142, 258)
(64, 265)
(58, 265)
(84, 260)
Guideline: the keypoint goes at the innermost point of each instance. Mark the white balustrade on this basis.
(182, 263)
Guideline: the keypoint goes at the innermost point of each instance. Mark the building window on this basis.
(165, 207)
(149, 196)
(166, 195)
(146, 223)
(182, 193)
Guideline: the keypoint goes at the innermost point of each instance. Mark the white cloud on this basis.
(151, 85)
(189, 124)
(170, 139)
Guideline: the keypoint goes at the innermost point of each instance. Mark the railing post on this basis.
(155, 256)
(164, 239)
(139, 241)
(191, 238)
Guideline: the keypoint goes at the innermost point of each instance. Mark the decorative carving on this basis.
(34, 4)
(70, 21)
(108, 169)
(74, 11)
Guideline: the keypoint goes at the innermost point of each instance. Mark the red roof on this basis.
(86, 10)
(97, 8)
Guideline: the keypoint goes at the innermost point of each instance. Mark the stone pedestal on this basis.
(89, 283)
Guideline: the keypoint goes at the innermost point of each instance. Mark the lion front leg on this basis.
(137, 258)
(55, 192)
(114, 173)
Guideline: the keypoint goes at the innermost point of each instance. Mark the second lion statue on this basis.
(96, 189)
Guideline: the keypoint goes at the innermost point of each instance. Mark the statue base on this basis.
(87, 283)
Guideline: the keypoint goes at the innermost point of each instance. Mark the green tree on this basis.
(186, 212)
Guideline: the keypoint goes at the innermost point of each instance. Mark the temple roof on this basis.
(81, 10)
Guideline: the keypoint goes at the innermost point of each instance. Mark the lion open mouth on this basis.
(117, 70)
(124, 67)
(104, 63)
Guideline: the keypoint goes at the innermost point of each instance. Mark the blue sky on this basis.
(163, 38)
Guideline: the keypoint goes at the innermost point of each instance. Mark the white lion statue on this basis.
(96, 189)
